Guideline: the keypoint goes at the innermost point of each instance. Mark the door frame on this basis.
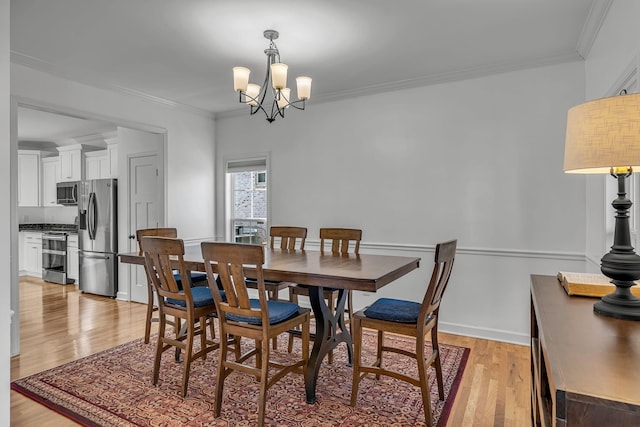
(125, 277)
(16, 102)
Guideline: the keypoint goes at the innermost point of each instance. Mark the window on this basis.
(248, 208)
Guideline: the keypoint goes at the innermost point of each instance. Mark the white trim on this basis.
(484, 333)
(434, 79)
(628, 79)
(509, 253)
(46, 67)
(591, 28)
(196, 242)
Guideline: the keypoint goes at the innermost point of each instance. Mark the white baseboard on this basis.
(484, 333)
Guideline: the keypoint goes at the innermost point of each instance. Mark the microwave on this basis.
(67, 193)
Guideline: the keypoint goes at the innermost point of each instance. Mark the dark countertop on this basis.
(71, 228)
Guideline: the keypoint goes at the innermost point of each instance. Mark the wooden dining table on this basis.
(318, 270)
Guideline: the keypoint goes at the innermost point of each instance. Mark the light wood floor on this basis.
(59, 324)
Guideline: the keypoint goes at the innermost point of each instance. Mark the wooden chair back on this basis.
(230, 259)
(154, 232)
(443, 263)
(158, 254)
(287, 236)
(340, 239)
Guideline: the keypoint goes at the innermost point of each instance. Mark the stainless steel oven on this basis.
(54, 257)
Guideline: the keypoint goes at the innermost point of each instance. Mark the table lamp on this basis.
(603, 136)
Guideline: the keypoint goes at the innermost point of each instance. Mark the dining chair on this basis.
(286, 238)
(196, 277)
(410, 319)
(258, 319)
(341, 240)
(194, 305)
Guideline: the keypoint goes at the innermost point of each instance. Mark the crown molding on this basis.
(430, 80)
(591, 28)
(108, 133)
(48, 68)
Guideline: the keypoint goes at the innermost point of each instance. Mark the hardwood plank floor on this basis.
(59, 324)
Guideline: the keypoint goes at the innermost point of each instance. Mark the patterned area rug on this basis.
(113, 388)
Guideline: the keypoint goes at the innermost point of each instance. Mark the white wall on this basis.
(189, 151)
(8, 264)
(190, 139)
(615, 51)
(479, 160)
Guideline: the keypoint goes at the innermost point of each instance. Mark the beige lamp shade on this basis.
(602, 134)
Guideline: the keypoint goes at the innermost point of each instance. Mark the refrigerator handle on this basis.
(92, 256)
(92, 216)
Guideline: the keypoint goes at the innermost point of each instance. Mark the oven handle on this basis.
(51, 251)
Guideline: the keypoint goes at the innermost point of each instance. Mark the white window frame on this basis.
(252, 162)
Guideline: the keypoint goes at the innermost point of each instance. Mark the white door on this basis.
(144, 212)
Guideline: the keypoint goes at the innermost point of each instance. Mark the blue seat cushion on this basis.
(278, 312)
(201, 297)
(195, 277)
(394, 310)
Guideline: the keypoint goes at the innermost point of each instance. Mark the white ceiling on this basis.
(181, 51)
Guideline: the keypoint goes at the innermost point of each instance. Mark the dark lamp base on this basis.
(625, 307)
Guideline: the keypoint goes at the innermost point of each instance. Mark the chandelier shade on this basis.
(273, 97)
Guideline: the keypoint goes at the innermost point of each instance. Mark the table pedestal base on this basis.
(330, 331)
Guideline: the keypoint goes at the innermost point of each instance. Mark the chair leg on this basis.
(357, 344)
(438, 365)
(274, 296)
(236, 342)
(264, 378)
(147, 326)
(293, 297)
(378, 362)
(159, 348)
(424, 380)
(222, 369)
(188, 355)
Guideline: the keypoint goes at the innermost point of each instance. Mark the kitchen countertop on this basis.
(70, 228)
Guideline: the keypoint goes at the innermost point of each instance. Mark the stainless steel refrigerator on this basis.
(98, 237)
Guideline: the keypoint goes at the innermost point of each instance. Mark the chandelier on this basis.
(275, 84)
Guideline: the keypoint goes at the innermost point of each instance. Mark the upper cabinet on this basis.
(50, 176)
(112, 149)
(103, 163)
(97, 165)
(28, 178)
(71, 164)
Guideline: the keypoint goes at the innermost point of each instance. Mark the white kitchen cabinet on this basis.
(71, 164)
(50, 176)
(97, 165)
(73, 266)
(112, 148)
(28, 178)
(33, 253)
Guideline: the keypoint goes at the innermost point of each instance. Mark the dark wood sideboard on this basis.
(585, 368)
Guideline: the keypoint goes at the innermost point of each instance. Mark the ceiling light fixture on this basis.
(275, 83)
